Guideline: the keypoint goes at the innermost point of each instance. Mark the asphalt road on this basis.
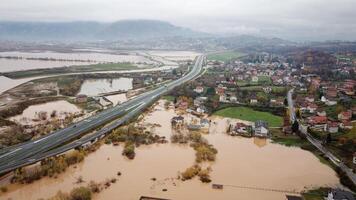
(58, 142)
(318, 144)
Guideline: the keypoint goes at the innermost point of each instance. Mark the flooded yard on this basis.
(92, 87)
(241, 162)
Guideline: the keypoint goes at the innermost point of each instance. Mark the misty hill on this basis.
(120, 30)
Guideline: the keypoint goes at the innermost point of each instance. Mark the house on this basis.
(151, 198)
(321, 112)
(346, 124)
(201, 109)
(267, 89)
(217, 186)
(222, 98)
(183, 105)
(313, 120)
(331, 102)
(220, 91)
(338, 194)
(177, 121)
(204, 123)
(331, 92)
(261, 128)
(312, 107)
(241, 128)
(318, 122)
(345, 115)
(199, 89)
(309, 99)
(333, 127)
(289, 197)
(199, 101)
(254, 78)
(233, 99)
(81, 98)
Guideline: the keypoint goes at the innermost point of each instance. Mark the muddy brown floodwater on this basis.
(254, 163)
(62, 107)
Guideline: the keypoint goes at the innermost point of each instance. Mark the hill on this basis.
(84, 31)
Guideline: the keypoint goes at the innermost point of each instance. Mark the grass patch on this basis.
(225, 56)
(249, 114)
(316, 194)
(168, 98)
(264, 80)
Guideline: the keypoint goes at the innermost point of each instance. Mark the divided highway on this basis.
(58, 142)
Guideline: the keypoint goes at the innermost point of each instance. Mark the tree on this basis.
(295, 126)
(210, 91)
(81, 193)
(298, 114)
(328, 138)
(285, 102)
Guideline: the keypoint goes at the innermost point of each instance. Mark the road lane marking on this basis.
(11, 152)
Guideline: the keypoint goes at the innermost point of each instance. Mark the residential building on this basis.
(345, 115)
(199, 89)
(338, 194)
(333, 127)
(254, 78)
(261, 128)
(81, 98)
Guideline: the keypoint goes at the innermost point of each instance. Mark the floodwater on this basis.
(93, 87)
(83, 56)
(7, 65)
(240, 162)
(62, 108)
(79, 58)
(176, 55)
(117, 98)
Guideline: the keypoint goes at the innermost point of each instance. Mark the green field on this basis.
(249, 114)
(225, 56)
(275, 89)
(262, 80)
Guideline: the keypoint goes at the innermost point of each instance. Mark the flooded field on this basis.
(7, 65)
(64, 59)
(117, 98)
(241, 162)
(175, 55)
(92, 87)
(31, 113)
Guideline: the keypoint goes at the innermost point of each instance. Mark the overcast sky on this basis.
(289, 19)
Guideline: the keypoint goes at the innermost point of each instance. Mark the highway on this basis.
(64, 139)
(304, 129)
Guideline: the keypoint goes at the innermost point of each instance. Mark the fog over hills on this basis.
(89, 30)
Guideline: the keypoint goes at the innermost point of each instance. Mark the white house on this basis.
(254, 78)
(199, 89)
(261, 129)
(233, 99)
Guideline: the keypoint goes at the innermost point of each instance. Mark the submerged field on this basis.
(249, 114)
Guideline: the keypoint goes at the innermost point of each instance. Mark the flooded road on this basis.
(248, 162)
